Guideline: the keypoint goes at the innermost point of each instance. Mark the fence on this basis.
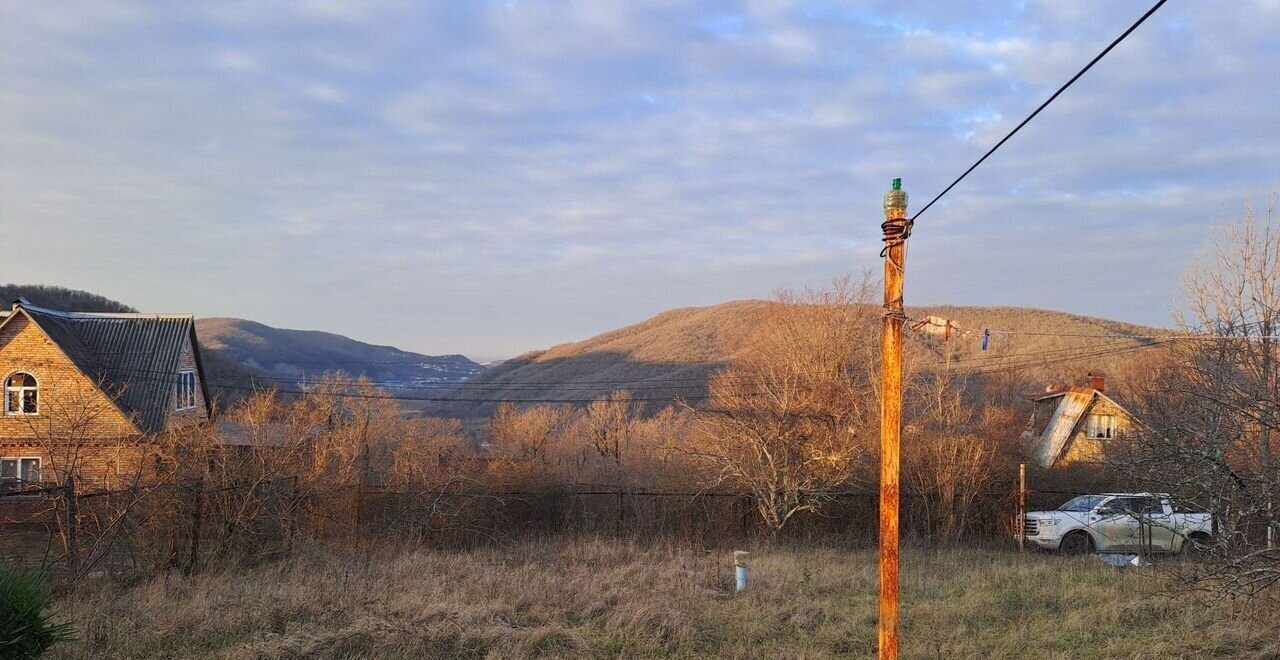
(188, 526)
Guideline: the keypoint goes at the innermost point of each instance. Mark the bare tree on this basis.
(336, 459)
(87, 452)
(950, 452)
(1210, 403)
(786, 419)
(610, 423)
(525, 444)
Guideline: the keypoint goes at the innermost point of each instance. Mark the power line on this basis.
(1058, 360)
(350, 395)
(1044, 105)
(650, 382)
(991, 364)
(1007, 362)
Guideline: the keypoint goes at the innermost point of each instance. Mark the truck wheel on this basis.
(1076, 543)
(1196, 544)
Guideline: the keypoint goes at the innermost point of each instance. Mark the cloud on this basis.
(235, 60)
(512, 174)
(324, 93)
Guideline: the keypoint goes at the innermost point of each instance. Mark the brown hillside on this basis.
(672, 354)
(1038, 345)
(668, 356)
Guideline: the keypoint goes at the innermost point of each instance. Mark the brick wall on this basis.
(75, 424)
(186, 418)
(1084, 449)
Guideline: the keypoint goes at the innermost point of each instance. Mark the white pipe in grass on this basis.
(740, 568)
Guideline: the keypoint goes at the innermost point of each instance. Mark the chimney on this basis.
(1098, 381)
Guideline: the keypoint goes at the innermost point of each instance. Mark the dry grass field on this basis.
(612, 599)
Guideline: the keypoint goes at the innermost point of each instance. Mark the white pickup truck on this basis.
(1117, 522)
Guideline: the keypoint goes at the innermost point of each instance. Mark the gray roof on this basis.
(273, 434)
(133, 357)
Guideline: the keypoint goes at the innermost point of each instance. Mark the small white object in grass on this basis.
(740, 568)
(1120, 560)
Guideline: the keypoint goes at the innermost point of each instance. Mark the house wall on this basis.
(186, 418)
(1083, 449)
(76, 424)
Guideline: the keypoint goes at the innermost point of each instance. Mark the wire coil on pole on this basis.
(896, 232)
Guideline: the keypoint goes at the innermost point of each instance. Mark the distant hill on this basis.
(238, 353)
(218, 369)
(286, 356)
(57, 297)
(674, 354)
(670, 355)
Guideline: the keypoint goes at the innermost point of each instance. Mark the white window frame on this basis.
(21, 479)
(20, 391)
(1101, 427)
(184, 393)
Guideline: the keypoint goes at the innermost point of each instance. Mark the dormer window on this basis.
(21, 395)
(186, 391)
(1102, 427)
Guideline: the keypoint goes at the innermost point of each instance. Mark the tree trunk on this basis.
(72, 510)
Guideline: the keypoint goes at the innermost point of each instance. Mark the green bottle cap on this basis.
(897, 184)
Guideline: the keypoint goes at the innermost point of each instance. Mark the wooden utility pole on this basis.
(1022, 506)
(896, 229)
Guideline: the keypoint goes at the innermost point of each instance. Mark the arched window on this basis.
(21, 395)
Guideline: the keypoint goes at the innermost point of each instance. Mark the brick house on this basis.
(1075, 425)
(83, 391)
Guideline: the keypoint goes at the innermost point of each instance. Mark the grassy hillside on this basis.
(674, 353)
(283, 356)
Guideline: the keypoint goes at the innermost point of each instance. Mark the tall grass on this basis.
(611, 599)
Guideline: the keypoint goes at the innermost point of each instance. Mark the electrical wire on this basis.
(1044, 105)
(1016, 361)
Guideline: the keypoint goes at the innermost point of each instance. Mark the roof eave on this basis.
(204, 383)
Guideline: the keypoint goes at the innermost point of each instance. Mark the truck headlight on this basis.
(1048, 522)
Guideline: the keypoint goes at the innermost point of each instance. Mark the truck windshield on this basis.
(1083, 504)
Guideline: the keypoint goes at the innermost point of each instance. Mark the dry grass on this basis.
(607, 599)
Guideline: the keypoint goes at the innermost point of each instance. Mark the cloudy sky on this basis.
(490, 177)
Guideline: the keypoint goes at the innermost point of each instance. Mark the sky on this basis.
(487, 177)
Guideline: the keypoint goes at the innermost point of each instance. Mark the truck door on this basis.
(1157, 530)
(1115, 524)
